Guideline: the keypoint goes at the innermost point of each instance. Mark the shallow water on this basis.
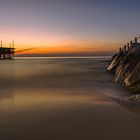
(63, 98)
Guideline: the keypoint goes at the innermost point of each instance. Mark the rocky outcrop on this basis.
(125, 65)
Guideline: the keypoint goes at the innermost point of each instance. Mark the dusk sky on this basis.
(62, 26)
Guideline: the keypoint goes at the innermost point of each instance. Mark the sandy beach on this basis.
(64, 99)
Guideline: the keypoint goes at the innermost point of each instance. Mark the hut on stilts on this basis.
(7, 52)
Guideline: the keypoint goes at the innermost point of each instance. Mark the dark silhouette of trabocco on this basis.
(8, 52)
(125, 65)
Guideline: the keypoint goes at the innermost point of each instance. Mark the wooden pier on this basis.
(7, 52)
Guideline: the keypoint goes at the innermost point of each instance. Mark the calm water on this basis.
(63, 98)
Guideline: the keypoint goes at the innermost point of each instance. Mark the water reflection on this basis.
(62, 99)
(28, 83)
(7, 85)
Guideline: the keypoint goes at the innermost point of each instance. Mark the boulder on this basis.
(125, 65)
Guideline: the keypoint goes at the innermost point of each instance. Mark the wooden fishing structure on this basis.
(8, 52)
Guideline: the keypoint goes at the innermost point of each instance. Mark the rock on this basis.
(133, 98)
(125, 65)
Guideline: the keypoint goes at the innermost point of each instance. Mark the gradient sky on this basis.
(62, 26)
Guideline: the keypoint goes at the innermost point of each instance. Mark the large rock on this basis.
(126, 67)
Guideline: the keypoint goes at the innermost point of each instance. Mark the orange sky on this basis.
(69, 48)
(69, 26)
(53, 43)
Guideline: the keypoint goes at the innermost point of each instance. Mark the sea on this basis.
(64, 98)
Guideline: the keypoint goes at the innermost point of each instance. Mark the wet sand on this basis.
(64, 99)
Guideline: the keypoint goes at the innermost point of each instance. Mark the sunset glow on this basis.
(69, 27)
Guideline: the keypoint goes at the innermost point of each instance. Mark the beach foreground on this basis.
(64, 99)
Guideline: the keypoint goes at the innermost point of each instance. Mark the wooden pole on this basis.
(13, 44)
(1, 44)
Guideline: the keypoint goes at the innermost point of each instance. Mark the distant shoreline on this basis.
(61, 57)
(90, 54)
